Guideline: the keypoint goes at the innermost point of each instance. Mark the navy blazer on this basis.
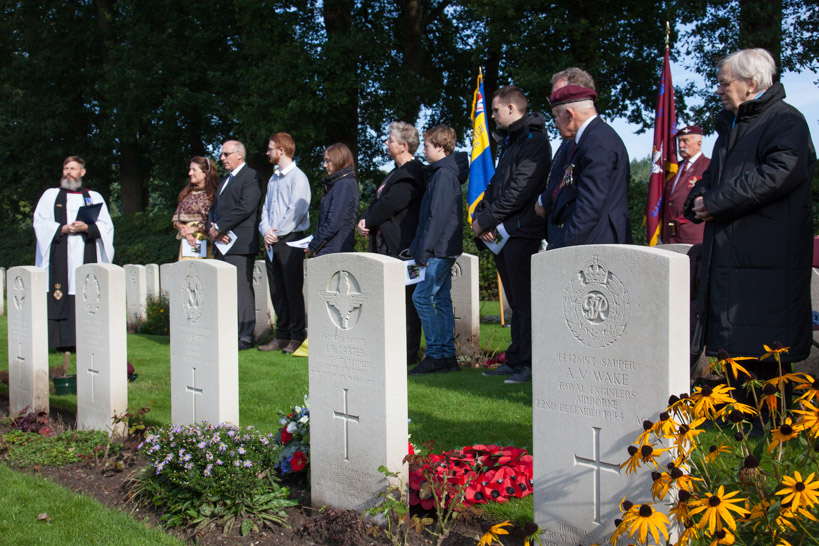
(237, 209)
(593, 208)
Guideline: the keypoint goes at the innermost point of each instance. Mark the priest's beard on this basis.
(70, 184)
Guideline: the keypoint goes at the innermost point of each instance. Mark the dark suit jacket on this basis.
(237, 209)
(687, 231)
(593, 209)
(555, 174)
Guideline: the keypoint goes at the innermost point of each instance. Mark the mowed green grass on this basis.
(451, 410)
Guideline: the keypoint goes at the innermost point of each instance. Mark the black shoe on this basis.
(428, 365)
(450, 365)
(245, 345)
(523, 374)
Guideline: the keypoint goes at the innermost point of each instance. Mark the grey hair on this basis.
(405, 133)
(574, 76)
(579, 106)
(755, 64)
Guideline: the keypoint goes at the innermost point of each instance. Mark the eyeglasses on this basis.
(724, 84)
(227, 154)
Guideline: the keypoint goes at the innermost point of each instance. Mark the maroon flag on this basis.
(663, 155)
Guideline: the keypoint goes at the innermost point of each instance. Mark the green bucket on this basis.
(65, 385)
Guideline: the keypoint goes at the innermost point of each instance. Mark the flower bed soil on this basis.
(308, 526)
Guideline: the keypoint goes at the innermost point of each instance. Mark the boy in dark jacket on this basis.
(437, 244)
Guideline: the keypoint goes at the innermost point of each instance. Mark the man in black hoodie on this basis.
(508, 206)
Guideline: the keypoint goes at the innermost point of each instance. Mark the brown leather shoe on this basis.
(291, 347)
(275, 345)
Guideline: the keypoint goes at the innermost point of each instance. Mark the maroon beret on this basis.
(690, 130)
(572, 93)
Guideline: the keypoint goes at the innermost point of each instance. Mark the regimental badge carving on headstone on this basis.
(344, 299)
(19, 292)
(193, 296)
(257, 274)
(456, 271)
(596, 305)
(91, 293)
(132, 276)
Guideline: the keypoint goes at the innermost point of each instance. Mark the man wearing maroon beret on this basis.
(588, 204)
(676, 227)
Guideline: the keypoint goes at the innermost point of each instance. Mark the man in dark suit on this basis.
(233, 219)
(676, 227)
(570, 76)
(589, 202)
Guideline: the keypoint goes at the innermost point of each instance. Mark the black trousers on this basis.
(514, 265)
(413, 326)
(285, 277)
(245, 295)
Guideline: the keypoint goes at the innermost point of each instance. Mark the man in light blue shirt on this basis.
(285, 217)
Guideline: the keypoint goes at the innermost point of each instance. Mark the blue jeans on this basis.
(434, 305)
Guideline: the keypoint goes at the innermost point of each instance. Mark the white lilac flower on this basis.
(264, 441)
(222, 447)
(187, 457)
(247, 464)
(201, 445)
(242, 450)
(219, 462)
(237, 463)
(231, 433)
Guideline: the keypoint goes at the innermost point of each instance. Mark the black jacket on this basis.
(593, 209)
(441, 220)
(755, 286)
(236, 208)
(335, 231)
(519, 178)
(395, 212)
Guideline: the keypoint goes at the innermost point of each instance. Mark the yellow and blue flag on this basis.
(482, 167)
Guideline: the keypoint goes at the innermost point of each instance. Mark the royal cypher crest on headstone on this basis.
(610, 344)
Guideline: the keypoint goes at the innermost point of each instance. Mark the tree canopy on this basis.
(137, 87)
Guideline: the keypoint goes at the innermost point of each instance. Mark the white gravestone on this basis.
(681, 248)
(204, 343)
(2, 290)
(358, 377)
(102, 355)
(152, 281)
(465, 305)
(264, 307)
(135, 295)
(28, 339)
(165, 279)
(610, 345)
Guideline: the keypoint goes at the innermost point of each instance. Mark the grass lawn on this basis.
(453, 410)
(74, 519)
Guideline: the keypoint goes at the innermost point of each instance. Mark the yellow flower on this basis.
(665, 426)
(629, 513)
(811, 388)
(679, 512)
(809, 419)
(787, 431)
(649, 520)
(643, 438)
(722, 537)
(493, 534)
(714, 451)
(684, 438)
(687, 536)
(725, 363)
(777, 350)
(717, 509)
(770, 396)
(785, 515)
(706, 399)
(532, 532)
(799, 492)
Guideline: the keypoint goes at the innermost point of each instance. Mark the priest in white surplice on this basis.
(64, 244)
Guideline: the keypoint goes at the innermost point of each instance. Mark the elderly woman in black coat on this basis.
(755, 200)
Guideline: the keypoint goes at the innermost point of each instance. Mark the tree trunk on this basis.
(341, 59)
(760, 25)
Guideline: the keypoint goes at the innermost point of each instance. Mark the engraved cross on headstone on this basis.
(20, 360)
(195, 391)
(598, 466)
(93, 373)
(346, 417)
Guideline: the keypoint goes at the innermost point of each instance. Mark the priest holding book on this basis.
(73, 227)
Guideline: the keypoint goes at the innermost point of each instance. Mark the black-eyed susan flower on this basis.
(493, 534)
(649, 453)
(706, 400)
(808, 418)
(775, 349)
(799, 492)
(661, 481)
(687, 536)
(647, 521)
(684, 438)
(680, 512)
(714, 452)
(786, 431)
(759, 512)
(770, 396)
(811, 388)
(643, 438)
(633, 462)
(726, 363)
(665, 426)
(716, 510)
(532, 534)
(722, 537)
(787, 514)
